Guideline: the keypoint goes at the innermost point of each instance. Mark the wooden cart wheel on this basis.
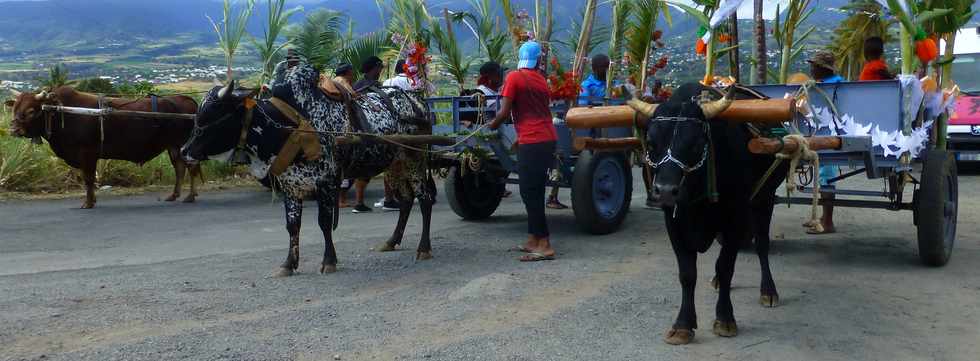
(936, 208)
(602, 188)
(475, 195)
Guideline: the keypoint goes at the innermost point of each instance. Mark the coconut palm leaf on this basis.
(231, 30)
(600, 34)
(269, 52)
(451, 56)
(318, 37)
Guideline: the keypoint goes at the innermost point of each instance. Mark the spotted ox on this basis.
(704, 178)
(82, 140)
(391, 111)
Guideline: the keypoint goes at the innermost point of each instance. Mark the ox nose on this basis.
(665, 195)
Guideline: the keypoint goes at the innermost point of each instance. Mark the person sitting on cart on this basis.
(594, 87)
(525, 99)
(875, 67)
(488, 84)
(823, 71)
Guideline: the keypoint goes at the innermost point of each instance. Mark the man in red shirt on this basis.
(875, 67)
(525, 99)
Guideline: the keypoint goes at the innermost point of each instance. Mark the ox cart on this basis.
(881, 129)
(479, 168)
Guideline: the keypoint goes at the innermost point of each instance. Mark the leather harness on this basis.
(304, 138)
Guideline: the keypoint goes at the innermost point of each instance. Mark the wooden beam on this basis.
(116, 112)
(768, 112)
(607, 144)
(789, 145)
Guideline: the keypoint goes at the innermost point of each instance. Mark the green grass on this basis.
(33, 168)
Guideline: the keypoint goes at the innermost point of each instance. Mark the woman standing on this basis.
(525, 99)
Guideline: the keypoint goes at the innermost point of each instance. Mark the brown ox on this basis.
(82, 140)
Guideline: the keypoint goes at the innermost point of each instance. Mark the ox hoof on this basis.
(769, 301)
(679, 336)
(386, 247)
(172, 197)
(725, 329)
(328, 268)
(422, 256)
(283, 272)
(714, 283)
(88, 205)
(190, 199)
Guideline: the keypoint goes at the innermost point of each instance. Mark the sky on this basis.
(745, 12)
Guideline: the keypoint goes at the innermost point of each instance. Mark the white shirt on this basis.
(488, 92)
(401, 81)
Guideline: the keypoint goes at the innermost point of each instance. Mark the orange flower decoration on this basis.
(700, 47)
(725, 38)
(926, 50)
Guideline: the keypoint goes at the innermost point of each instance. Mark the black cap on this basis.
(370, 64)
(491, 67)
(343, 68)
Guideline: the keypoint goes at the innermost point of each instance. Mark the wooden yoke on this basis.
(789, 145)
(762, 111)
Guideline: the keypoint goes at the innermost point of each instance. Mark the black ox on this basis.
(704, 179)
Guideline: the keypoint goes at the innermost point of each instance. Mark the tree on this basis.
(96, 85)
(865, 20)
(318, 38)
(57, 76)
(268, 49)
(231, 30)
(491, 40)
(451, 56)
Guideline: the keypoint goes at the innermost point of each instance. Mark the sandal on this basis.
(535, 257)
(555, 204)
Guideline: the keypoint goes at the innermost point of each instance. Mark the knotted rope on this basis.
(803, 152)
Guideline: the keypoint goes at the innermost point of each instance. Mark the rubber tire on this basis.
(936, 232)
(468, 200)
(587, 216)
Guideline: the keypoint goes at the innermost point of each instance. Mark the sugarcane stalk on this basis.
(613, 45)
(583, 40)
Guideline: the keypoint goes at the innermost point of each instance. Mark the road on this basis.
(138, 279)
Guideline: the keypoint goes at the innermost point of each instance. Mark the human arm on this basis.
(502, 114)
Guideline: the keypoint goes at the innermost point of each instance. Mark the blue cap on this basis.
(528, 55)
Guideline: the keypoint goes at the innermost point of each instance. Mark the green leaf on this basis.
(930, 14)
(693, 12)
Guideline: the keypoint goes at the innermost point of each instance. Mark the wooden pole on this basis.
(578, 65)
(116, 112)
(733, 55)
(789, 145)
(607, 144)
(761, 58)
(767, 111)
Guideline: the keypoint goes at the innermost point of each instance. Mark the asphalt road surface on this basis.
(139, 279)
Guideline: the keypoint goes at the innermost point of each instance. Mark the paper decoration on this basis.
(893, 144)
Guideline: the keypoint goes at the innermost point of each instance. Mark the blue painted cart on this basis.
(601, 183)
(889, 107)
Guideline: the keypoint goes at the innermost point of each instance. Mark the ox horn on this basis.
(713, 108)
(227, 90)
(642, 107)
(41, 96)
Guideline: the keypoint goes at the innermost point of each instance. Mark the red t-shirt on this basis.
(875, 70)
(528, 92)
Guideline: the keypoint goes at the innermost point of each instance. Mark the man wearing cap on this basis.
(525, 99)
(595, 85)
(823, 71)
(371, 70)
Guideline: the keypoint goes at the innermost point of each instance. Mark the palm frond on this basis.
(373, 44)
(231, 30)
(318, 38)
(267, 48)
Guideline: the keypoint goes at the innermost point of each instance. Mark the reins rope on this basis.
(802, 152)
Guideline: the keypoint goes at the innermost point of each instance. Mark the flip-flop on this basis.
(819, 230)
(535, 256)
(521, 248)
